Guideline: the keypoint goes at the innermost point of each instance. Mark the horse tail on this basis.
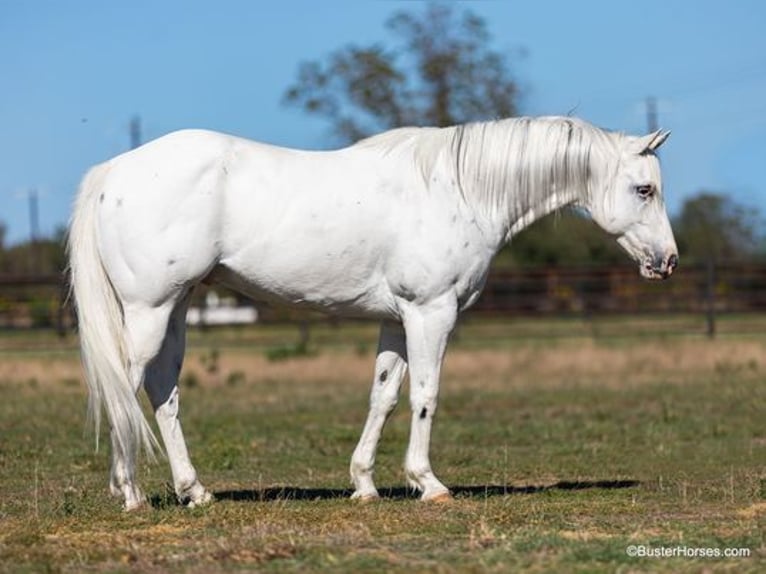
(102, 336)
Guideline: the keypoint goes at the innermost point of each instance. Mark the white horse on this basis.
(400, 227)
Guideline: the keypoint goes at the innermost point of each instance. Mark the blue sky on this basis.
(73, 74)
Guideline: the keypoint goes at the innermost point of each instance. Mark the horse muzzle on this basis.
(659, 268)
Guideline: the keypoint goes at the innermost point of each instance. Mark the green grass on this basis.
(557, 465)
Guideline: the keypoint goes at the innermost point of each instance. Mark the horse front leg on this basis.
(390, 368)
(427, 330)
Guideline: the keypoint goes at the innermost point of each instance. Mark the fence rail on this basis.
(598, 290)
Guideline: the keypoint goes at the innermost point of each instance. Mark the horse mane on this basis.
(511, 164)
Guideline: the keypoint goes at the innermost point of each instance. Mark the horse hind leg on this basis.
(122, 483)
(161, 384)
(145, 328)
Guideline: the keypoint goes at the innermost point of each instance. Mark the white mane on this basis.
(508, 165)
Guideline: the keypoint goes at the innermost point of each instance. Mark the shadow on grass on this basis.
(403, 493)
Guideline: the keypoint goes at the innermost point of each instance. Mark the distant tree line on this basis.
(44, 256)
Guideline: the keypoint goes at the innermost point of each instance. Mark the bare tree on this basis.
(439, 72)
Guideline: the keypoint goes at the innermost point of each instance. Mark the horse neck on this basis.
(517, 222)
(522, 170)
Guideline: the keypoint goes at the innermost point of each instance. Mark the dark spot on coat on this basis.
(406, 293)
(423, 413)
(422, 384)
(466, 244)
(171, 262)
(101, 198)
(119, 202)
(383, 376)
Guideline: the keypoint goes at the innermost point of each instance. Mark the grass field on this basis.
(561, 452)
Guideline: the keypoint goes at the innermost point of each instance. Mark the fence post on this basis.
(61, 308)
(710, 298)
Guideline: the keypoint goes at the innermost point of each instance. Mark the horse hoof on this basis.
(133, 499)
(441, 498)
(365, 498)
(203, 500)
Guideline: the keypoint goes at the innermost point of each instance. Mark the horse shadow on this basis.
(278, 493)
(284, 493)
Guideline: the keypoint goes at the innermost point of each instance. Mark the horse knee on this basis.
(424, 400)
(385, 399)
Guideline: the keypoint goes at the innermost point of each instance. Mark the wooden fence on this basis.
(40, 301)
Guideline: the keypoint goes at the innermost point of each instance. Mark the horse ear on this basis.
(649, 142)
(659, 138)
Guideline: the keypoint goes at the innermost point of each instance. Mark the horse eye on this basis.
(645, 191)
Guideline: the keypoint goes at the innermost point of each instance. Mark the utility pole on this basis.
(651, 114)
(135, 132)
(34, 218)
(34, 231)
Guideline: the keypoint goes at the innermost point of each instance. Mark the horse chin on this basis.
(650, 274)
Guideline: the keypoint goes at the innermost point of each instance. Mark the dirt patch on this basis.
(753, 511)
(587, 362)
(585, 535)
(42, 370)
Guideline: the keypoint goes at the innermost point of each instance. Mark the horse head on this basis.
(629, 204)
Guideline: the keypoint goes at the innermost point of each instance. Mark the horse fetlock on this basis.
(360, 468)
(134, 498)
(114, 489)
(128, 491)
(424, 481)
(361, 477)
